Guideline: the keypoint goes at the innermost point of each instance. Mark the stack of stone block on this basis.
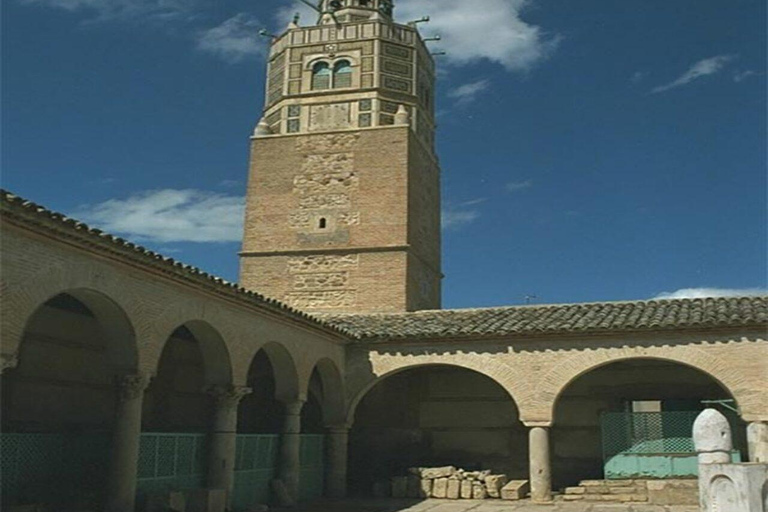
(451, 483)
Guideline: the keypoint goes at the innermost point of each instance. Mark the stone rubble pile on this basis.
(451, 483)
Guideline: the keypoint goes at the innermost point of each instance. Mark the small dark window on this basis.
(321, 76)
(342, 74)
(323, 223)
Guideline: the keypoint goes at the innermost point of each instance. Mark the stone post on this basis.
(712, 437)
(757, 440)
(713, 443)
(223, 437)
(338, 437)
(122, 471)
(540, 466)
(290, 444)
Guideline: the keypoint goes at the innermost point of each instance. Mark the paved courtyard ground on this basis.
(481, 506)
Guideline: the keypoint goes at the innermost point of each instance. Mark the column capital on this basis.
(538, 424)
(293, 407)
(8, 362)
(131, 386)
(228, 395)
(338, 428)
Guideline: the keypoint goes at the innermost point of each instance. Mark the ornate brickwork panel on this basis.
(276, 79)
(321, 282)
(329, 117)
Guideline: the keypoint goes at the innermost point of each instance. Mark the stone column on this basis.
(122, 471)
(540, 466)
(757, 440)
(289, 448)
(337, 437)
(223, 439)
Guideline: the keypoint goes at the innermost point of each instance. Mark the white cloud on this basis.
(462, 214)
(702, 293)
(234, 40)
(492, 31)
(706, 67)
(170, 216)
(124, 9)
(467, 93)
(515, 186)
(454, 219)
(743, 75)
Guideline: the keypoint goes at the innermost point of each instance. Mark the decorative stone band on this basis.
(228, 396)
(337, 429)
(131, 386)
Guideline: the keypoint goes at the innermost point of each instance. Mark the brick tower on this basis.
(343, 206)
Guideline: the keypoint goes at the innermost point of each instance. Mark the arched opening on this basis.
(435, 416)
(273, 380)
(58, 404)
(321, 76)
(633, 419)
(178, 410)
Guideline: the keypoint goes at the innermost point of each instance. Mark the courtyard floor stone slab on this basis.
(433, 505)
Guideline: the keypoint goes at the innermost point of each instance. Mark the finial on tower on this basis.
(295, 22)
(262, 129)
(402, 117)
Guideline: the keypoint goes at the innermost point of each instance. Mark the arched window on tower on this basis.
(342, 74)
(321, 76)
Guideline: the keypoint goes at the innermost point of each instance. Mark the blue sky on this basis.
(591, 150)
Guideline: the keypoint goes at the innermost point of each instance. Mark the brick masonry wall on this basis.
(329, 218)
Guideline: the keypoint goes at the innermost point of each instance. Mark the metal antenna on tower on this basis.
(265, 33)
(424, 19)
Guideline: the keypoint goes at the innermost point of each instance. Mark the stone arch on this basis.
(497, 372)
(100, 290)
(117, 327)
(557, 380)
(333, 391)
(216, 359)
(286, 374)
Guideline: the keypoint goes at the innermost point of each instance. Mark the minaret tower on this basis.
(343, 205)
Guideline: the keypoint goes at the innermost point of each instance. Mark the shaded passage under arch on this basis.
(433, 416)
(653, 400)
(58, 404)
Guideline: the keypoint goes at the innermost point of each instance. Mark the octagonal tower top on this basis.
(352, 11)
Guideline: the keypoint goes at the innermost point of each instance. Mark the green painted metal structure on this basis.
(312, 474)
(255, 467)
(53, 468)
(171, 461)
(650, 445)
(66, 468)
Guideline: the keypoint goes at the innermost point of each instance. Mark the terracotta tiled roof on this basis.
(460, 323)
(27, 213)
(560, 319)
